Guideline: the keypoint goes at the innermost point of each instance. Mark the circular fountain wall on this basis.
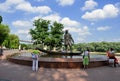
(58, 62)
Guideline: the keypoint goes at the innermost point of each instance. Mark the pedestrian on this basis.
(35, 55)
(86, 58)
(1, 51)
(19, 47)
(111, 55)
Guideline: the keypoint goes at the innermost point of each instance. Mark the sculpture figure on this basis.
(68, 41)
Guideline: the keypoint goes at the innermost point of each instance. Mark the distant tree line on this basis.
(98, 46)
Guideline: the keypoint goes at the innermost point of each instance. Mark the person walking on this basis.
(1, 51)
(86, 58)
(35, 55)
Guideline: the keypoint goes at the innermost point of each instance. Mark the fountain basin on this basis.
(48, 62)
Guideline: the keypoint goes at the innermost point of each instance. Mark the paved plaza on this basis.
(14, 72)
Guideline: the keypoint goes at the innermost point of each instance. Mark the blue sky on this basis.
(86, 20)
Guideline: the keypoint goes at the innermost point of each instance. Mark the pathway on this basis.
(14, 72)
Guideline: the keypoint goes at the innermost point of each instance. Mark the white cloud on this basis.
(84, 31)
(80, 32)
(103, 28)
(28, 8)
(22, 31)
(69, 23)
(52, 17)
(23, 34)
(90, 5)
(65, 2)
(39, 0)
(117, 5)
(28, 36)
(10, 6)
(115, 40)
(108, 11)
(110, 40)
(20, 23)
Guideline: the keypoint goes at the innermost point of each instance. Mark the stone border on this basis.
(58, 62)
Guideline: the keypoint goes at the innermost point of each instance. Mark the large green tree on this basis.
(40, 32)
(57, 34)
(4, 31)
(55, 37)
(46, 33)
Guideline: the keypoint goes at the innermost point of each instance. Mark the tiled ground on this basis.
(15, 72)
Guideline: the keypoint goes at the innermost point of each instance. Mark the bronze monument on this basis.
(68, 41)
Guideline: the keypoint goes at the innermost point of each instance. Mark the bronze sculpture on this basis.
(68, 41)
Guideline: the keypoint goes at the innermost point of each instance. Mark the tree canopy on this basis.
(40, 32)
(12, 41)
(55, 37)
(0, 19)
(47, 33)
(6, 39)
(4, 32)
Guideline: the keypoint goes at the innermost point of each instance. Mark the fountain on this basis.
(60, 62)
(73, 60)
